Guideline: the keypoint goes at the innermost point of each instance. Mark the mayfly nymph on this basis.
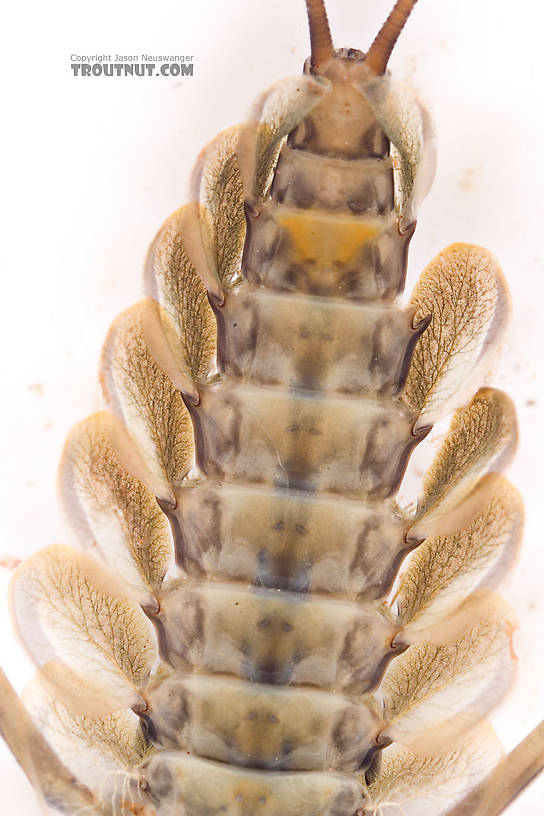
(253, 625)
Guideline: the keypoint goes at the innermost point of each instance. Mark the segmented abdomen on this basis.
(303, 442)
(299, 401)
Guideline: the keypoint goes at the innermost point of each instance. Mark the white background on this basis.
(92, 166)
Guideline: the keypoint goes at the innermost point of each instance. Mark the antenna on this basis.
(320, 35)
(380, 50)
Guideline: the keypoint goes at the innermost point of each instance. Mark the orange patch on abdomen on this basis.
(328, 238)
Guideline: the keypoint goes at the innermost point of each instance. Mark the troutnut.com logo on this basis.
(116, 65)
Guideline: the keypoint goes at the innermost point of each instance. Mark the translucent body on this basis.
(299, 415)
